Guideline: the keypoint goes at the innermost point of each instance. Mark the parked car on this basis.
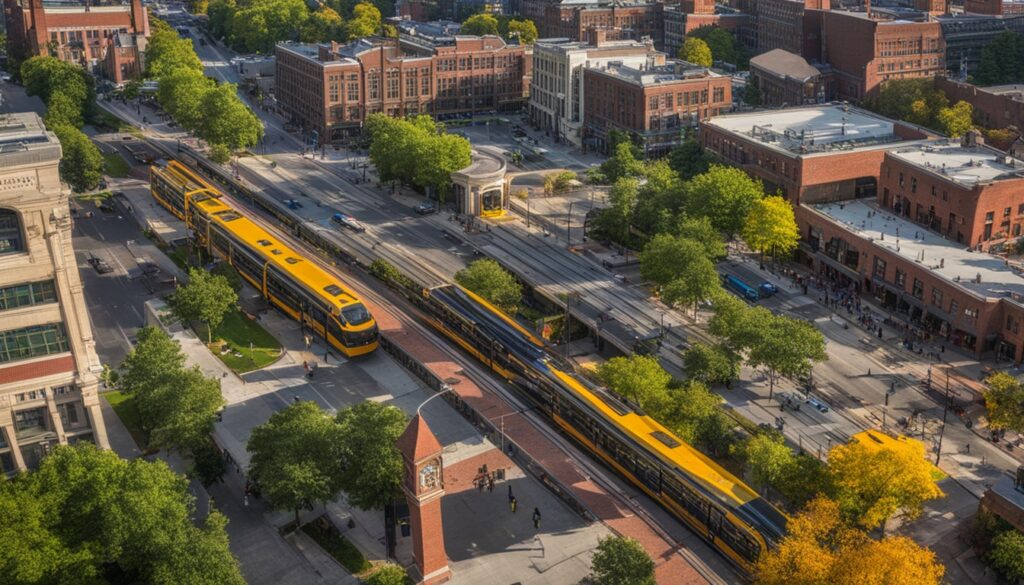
(349, 222)
(100, 265)
(426, 207)
(4, 76)
(292, 204)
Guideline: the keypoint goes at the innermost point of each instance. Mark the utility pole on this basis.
(568, 225)
(945, 412)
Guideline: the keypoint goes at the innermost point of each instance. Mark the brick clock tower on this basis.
(424, 487)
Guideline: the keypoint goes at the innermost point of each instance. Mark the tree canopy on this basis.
(296, 457)
(523, 30)
(480, 24)
(711, 363)
(621, 561)
(696, 51)
(681, 268)
(771, 227)
(416, 151)
(88, 516)
(388, 574)
(820, 548)
(638, 378)
(81, 164)
(1006, 555)
(228, 121)
(873, 484)
(487, 278)
(207, 297)
(167, 52)
(1004, 400)
(365, 21)
(723, 45)
(1002, 60)
(956, 120)
(725, 195)
(372, 465)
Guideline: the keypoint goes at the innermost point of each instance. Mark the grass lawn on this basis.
(115, 165)
(238, 331)
(111, 123)
(126, 410)
(335, 544)
(96, 198)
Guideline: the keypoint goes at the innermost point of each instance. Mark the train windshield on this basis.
(355, 314)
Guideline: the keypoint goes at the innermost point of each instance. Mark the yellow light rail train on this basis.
(715, 504)
(298, 287)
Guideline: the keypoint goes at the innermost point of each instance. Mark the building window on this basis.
(918, 289)
(69, 415)
(425, 84)
(11, 239)
(901, 279)
(880, 268)
(374, 81)
(392, 84)
(936, 297)
(989, 217)
(1006, 212)
(971, 313)
(26, 295)
(953, 307)
(410, 84)
(353, 87)
(29, 342)
(31, 419)
(653, 102)
(913, 184)
(719, 94)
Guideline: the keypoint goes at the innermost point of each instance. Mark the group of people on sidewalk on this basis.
(486, 481)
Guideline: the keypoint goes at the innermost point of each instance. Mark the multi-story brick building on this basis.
(865, 51)
(678, 23)
(966, 35)
(784, 24)
(994, 7)
(49, 371)
(653, 104)
(994, 107)
(557, 90)
(787, 79)
(971, 194)
(106, 37)
(331, 89)
(572, 19)
(812, 153)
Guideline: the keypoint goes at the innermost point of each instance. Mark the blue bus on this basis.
(763, 291)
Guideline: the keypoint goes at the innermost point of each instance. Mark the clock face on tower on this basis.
(430, 476)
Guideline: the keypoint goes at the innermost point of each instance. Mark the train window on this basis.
(333, 290)
(666, 438)
(264, 243)
(246, 264)
(291, 260)
(221, 241)
(278, 286)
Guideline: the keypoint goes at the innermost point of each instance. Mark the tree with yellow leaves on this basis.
(771, 227)
(820, 549)
(873, 484)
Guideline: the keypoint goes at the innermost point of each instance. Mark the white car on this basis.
(4, 76)
(349, 222)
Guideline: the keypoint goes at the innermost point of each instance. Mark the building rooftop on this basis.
(567, 45)
(982, 274)
(812, 129)
(311, 52)
(24, 140)
(785, 64)
(966, 165)
(674, 71)
(1013, 91)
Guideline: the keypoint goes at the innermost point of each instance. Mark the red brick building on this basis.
(785, 78)
(994, 107)
(864, 52)
(106, 37)
(786, 25)
(811, 154)
(993, 7)
(653, 104)
(331, 89)
(572, 20)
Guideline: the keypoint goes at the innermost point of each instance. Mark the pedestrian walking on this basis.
(512, 504)
(536, 518)
(245, 500)
(490, 484)
(510, 492)
(480, 484)
(305, 366)
(968, 448)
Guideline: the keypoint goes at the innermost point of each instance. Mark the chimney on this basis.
(973, 138)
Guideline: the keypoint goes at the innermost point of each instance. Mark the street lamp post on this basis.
(945, 413)
(445, 388)
(568, 226)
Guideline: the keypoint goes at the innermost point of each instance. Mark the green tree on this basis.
(187, 411)
(1001, 60)
(372, 464)
(480, 24)
(696, 51)
(1007, 555)
(771, 227)
(489, 280)
(711, 363)
(206, 298)
(752, 93)
(257, 25)
(689, 159)
(296, 457)
(556, 183)
(110, 518)
(638, 378)
(768, 458)
(322, 26)
(722, 44)
(387, 575)
(219, 153)
(1004, 400)
(956, 120)
(621, 561)
(522, 30)
(912, 100)
(81, 164)
(220, 14)
(166, 52)
(696, 416)
(623, 163)
(725, 195)
(181, 93)
(155, 359)
(681, 268)
(782, 345)
(228, 121)
(416, 151)
(43, 76)
(615, 220)
(365, 21)
(63, 110)
(700, 230)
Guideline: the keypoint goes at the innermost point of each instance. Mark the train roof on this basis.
(189, 181)
(305, 272)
